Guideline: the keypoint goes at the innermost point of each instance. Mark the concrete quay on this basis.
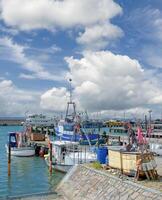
(84, 183)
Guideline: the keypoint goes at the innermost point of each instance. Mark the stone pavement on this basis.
(84, 183)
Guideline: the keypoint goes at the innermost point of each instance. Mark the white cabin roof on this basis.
(64, 143)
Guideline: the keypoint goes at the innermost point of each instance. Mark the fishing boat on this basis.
(76, 127)
(65, 154)
(18, 146)
(83, 132)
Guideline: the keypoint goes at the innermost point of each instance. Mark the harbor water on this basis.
(28, 175)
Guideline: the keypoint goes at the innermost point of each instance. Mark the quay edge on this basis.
(83, 182)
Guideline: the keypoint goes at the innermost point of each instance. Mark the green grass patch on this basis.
(96, 165)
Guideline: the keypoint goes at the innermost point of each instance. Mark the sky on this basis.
(111, 49)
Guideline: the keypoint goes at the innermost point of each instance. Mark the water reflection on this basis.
(28, 175)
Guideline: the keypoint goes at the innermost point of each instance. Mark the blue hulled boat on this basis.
(75, 128)
(79, 132)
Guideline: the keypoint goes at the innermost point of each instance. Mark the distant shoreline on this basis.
(10, 125)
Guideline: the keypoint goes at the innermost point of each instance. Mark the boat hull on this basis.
(59, 167)
(22, 151)
(92, 138)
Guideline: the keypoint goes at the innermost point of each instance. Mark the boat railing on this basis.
(79, 154)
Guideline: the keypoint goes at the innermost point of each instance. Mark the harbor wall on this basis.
(84, 183)
(10, 122)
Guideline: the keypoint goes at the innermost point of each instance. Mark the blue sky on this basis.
(111, 49)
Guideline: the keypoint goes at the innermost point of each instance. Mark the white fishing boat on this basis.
(65, 154)
(22, 151)
(18, 147)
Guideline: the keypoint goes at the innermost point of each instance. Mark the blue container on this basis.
(107, 160)
(102, 153)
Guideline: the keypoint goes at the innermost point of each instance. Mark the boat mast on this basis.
(70, 80)
(70, 105)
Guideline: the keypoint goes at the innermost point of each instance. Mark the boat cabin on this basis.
(12, 139)
(61, 148)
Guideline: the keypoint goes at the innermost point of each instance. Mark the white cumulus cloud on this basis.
(89, 15)
(47, 13)
(54, 99)
(98, 36)
(15, 101)
(105, 81)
